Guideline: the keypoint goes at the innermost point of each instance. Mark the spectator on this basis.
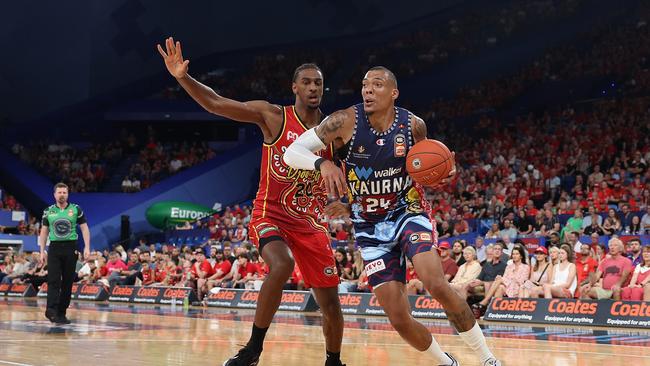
(146, 275)
(457, 252)
(508, 230)
(611, 225)
(591, 217)
(480, 249)
(574, 224)
(246, 272)
(586, 266)
(635, 227)
(493, 233)
(639, 287)
(114, 268)
(564, 281)
(574, 241)
(468, 271)
(21, 265)
(413, 284)
(449, 266)
(539, 275)
(511, 282)
(491, 269)
(522, 223)
(614, 271)
(634, 253)
(645, 221)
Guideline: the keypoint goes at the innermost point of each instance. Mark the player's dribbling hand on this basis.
(174, 58)
(337, 209)
(334, 179)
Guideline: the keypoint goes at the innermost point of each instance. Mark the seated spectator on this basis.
(645, 221)
(201, 270)
(115, 267)
(639, 287)
(611, 225)
(449, 266)
(493, 233)
(634, 252)
(457, 252)
(512, 280)
(445, 231)
(87, 272)
(362, 284)
(296, 281)
(221, 270)
(492, 268)
(344, 267)
(594, 226)
(574, 224)
(614, 271)
(20, 267)
(129, 275)
(246, 272)
(508, 231)
(539, 275)
(522, 223)
(414, 285)
(635, 227)
(479, 245)
(586, 266)
(564, 281)
(147, 275)
(468, 271)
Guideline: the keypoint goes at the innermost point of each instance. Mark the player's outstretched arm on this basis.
(337, 128)
(252, 111)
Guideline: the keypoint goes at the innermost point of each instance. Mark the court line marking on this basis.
(572, 351)
(14, 363)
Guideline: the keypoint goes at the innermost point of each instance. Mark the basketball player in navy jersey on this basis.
(387, 208)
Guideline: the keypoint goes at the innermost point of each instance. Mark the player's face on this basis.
(378, 91)
(308, 88)
(61, 195)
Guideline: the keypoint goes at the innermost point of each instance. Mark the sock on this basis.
(333, 358)
(257, 338)
(436, 352)
(476, 341)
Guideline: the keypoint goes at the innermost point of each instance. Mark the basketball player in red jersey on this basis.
(288, 203)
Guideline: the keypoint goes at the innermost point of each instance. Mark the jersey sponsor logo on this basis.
(380, 142)
(292, 136)
(70, 213)
(400, 146)
(378, 187)
(363, 173)
(375, 266)
(388, 172)
(419, 237)
(62, 228)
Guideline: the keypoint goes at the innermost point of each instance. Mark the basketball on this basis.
(429, 162)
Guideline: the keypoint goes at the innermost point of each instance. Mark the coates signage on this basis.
(152, 295)
(426, 307)
(368, 304)
(571, 312)
(88, 292)
(238, 298)
(19, 290)
(168, 213)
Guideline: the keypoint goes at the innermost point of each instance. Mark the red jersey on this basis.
(292, 196)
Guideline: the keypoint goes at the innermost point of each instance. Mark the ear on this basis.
(294, 88)
(394, 94)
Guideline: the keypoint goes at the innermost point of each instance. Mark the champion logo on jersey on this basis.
(361, 149)
(380, 142)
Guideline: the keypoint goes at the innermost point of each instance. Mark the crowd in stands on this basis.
(87, 168)
(30, 226)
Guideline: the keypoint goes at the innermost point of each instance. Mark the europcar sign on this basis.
(168, 213)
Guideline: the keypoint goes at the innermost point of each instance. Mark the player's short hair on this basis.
(307, 66)
(391, 75)
(61, 185)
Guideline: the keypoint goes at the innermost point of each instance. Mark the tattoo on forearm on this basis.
(330, 125)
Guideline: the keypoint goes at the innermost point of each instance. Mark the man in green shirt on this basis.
(60, 227)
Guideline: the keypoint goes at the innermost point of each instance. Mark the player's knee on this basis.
(282, 267)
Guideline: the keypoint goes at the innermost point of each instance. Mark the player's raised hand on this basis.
(174, 58)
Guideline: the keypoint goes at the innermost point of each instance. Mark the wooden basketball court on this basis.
(116, 334)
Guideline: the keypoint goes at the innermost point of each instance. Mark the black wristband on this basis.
(318, 163)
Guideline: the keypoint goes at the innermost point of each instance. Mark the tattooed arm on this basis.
(337, 128)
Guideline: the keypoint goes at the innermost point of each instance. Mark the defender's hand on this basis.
(174, 58)
(334, 179)
(337, 209)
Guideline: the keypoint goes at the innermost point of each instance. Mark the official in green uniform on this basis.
(60, 226)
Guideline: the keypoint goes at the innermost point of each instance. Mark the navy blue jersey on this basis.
(383, 197)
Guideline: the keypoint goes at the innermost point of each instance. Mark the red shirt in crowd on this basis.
(224, 266)
(248, 268)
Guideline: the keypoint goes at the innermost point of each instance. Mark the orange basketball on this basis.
(429, 161)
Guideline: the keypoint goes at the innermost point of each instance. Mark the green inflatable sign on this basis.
(169, 213)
